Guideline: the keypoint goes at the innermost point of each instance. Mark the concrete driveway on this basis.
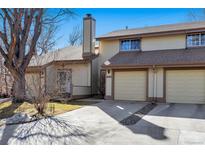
(173, 124)
(101, 124)
(164, 124)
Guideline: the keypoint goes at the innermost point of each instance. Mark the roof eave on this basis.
(84, 60)
(185, 31)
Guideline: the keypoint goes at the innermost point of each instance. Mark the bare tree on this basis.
(75, 37)
(47, 39)
(1, 75)
(17, 26)
(35, 86)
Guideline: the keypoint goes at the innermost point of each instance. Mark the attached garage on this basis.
(185, 86)
(130, 85)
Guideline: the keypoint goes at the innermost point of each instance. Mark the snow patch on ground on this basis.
(4, 100)
(51, 130)
(19, 118)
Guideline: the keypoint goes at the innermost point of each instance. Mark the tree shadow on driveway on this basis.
(148, 128)
(50, 130)
(127, 112)
(164, 118)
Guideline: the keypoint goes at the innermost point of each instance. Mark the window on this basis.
(129, 45)
(196, 40)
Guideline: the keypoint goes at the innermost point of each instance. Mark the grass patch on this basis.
(55, 108)
(8, 109)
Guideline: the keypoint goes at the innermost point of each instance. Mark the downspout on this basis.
(155, 84)
(71, 85)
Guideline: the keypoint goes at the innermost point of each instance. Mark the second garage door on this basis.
(185, 86)
(130, 85)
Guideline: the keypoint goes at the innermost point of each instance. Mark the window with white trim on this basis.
(130, 45)
(196, 40)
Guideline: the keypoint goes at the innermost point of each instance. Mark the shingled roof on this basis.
(183, 27)
(70, 53)
(192, 56)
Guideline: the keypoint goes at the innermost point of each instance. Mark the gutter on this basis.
(151, 66)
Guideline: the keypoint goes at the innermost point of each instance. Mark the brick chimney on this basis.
(88, 35)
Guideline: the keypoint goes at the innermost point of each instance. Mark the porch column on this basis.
(155, 84)
(109, 84)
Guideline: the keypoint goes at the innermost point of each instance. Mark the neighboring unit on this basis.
(160, 64)
(6, 80)
(68, 73)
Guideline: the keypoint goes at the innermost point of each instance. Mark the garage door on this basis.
(130, 85)
(185, 86)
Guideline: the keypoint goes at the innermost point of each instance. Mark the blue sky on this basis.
(108, 20)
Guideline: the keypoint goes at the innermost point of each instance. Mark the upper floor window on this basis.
(196, 40)
(130, 45)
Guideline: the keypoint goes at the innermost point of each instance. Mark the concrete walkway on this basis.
(100, 124)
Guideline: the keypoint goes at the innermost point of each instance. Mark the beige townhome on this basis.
(163, 63)
(158, 64)
(68, 73)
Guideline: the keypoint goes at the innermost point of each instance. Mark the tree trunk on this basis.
(6, 84)
(19, 89)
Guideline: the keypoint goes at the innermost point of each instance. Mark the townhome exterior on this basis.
(68, 73)
(163, 63)
(6, 80)
(61, 74)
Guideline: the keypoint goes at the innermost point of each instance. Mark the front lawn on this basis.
(8, 109)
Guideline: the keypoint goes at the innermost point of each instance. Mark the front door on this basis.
(102, 82)
(64, 81)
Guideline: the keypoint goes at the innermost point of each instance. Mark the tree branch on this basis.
(37, 32)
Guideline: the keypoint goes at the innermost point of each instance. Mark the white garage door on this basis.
(185, 86)
(130, 85)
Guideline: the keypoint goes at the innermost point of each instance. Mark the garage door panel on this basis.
(130, 85)
(185, 86)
